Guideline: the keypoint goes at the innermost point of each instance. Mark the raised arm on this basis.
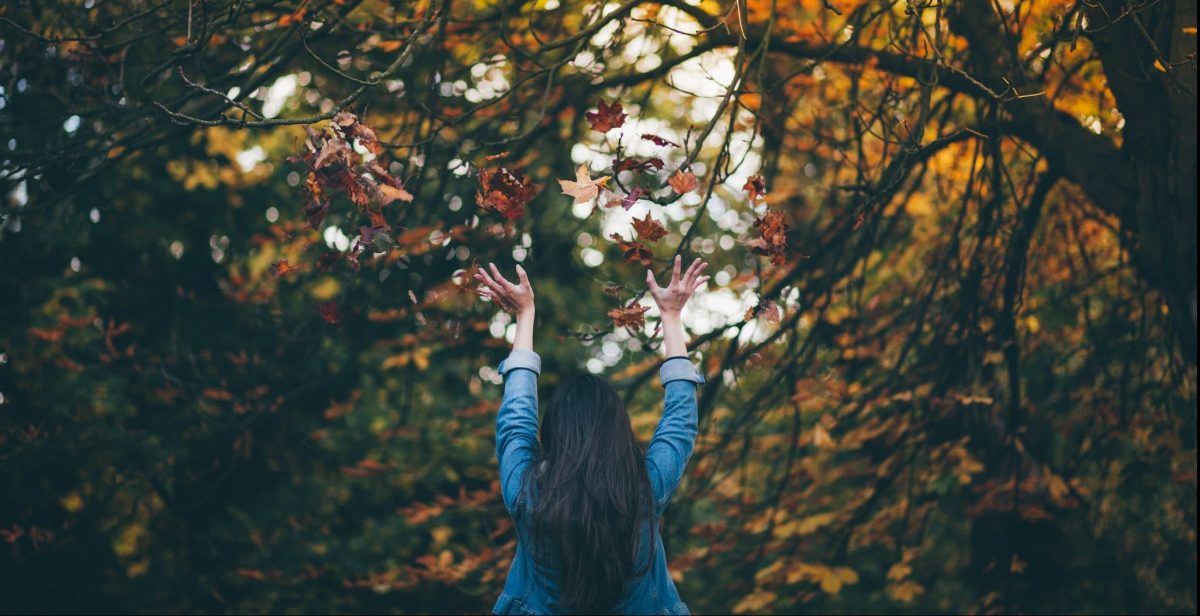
(675, 437)
(517, 421)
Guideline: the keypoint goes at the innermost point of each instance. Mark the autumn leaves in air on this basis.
(347, 157)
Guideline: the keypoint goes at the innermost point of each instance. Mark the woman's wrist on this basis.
(524, 338)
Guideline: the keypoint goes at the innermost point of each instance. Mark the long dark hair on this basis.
(594, 502)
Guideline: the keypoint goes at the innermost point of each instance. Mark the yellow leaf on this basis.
(905, 591)
(1189, 30)
(821, 438)
(72, 502)
(898, 572)
(755, 601)
(325, 289)
(1158, 65)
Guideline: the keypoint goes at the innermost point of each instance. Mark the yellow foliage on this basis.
(72, 502)
(804, 526)
(905, 591)
(325, 289)
(755, 602)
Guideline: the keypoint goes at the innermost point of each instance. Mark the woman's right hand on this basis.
(674, 296)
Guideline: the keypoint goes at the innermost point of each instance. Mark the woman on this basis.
(587, 500)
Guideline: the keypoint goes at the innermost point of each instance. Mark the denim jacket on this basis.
(527, 592)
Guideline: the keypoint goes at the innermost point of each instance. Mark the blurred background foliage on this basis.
(962, 380)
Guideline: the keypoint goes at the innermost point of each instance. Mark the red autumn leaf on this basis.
(280, 268)
(659, 141)
(330, 312)
(631, 198)
(772, 240)
(634, 252)
(649, 229)
(632, 316)
(636, 164)
(507, 192)
(606, 117)
(614, 289)
(756, 187)
(683, 182)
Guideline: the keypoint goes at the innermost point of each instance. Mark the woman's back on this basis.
(534, 580)
(585, 498)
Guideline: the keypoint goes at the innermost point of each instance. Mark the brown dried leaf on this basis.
(683, 182)
(606, 117)
(632, 316)
(649, 229)
(634, 252)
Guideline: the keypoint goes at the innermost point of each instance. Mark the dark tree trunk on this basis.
(1149, 182)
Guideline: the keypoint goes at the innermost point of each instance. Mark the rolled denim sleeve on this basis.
(675, 437)
(517, 422)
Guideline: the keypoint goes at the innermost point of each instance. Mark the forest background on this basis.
(950, 341)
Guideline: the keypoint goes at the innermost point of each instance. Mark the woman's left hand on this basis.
(514, 298)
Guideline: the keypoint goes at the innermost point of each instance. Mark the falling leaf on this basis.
(659, 141)
(632, 316)
(821, 438)
(631, 163)
(584, 188)
(631, 198)
(391, 193)
(683, 182)
(772, 240)
(649, 229)
(756, 187)
(504, 191)
(634, 252)
(767, 310)
(606, 117)
(330, 312)
(281, 268)
(614, 289)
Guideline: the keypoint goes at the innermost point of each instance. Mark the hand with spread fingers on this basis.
(516, 299)
(671, 299)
